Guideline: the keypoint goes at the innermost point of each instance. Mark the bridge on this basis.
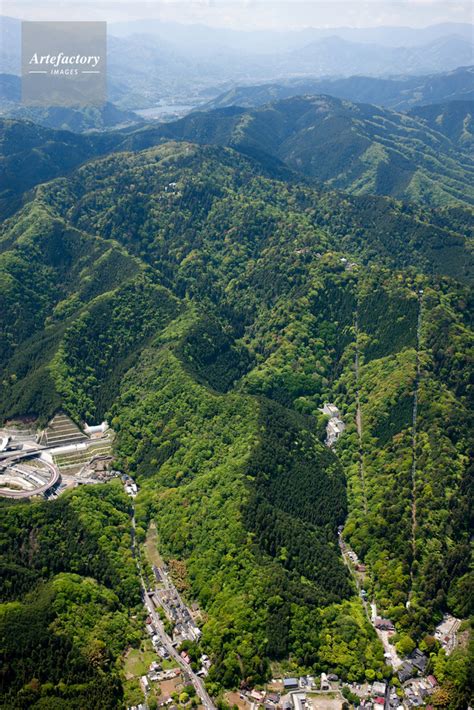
(13, 459)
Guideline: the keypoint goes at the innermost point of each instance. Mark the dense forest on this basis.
(69, 590)
(356, 147)
(208, 304)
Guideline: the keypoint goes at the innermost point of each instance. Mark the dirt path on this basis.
(390, 651)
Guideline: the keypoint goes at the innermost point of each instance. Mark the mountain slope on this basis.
(398, 94)
(30, 154)
(455, 120)
(244, 301)
(69, 585)
(212, 442)
(354, 147)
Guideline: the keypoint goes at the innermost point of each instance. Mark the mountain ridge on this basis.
(353, 147)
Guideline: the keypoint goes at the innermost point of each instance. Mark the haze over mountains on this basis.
(72, 118)
(398, 94)
(199, 38)
(151, 61)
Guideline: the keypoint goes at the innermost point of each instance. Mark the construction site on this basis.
(45, 462)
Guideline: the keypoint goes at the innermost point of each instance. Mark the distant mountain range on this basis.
(157, 61)
(201, 39)
(453, 88)
(399, 94)
(333, 55)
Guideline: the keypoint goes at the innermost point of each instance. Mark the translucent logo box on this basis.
(64, 63)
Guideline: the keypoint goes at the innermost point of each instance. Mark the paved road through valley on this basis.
(164, 638)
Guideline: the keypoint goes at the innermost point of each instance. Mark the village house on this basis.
(273, 698)
(406, 672)
(384, 624)
(378, 688)
(325, 684)
(419, 660)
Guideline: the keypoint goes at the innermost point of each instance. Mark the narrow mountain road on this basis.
(345, 556)
(165, 640)
(370, 609)
(414, 441)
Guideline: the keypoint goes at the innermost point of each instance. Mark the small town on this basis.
(61, 456)
(326, 692)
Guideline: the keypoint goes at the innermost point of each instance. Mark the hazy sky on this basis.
(250, 14)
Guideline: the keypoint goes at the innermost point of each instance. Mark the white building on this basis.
(325, 684)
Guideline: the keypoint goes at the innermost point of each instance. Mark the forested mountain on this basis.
(209, 309)
(69, 585)
(454, 119)
(399, 94)
(30, 154)
(355, 147)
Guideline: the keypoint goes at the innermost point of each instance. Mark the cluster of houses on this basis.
(296, 689)
(418, 690)
(130, 486)
(335, 425)
(184, 627)
(376, 701)
(156, 674)
(268, 699)
(373, 696)
(155, 639)
(358, 565)
(204, 660)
